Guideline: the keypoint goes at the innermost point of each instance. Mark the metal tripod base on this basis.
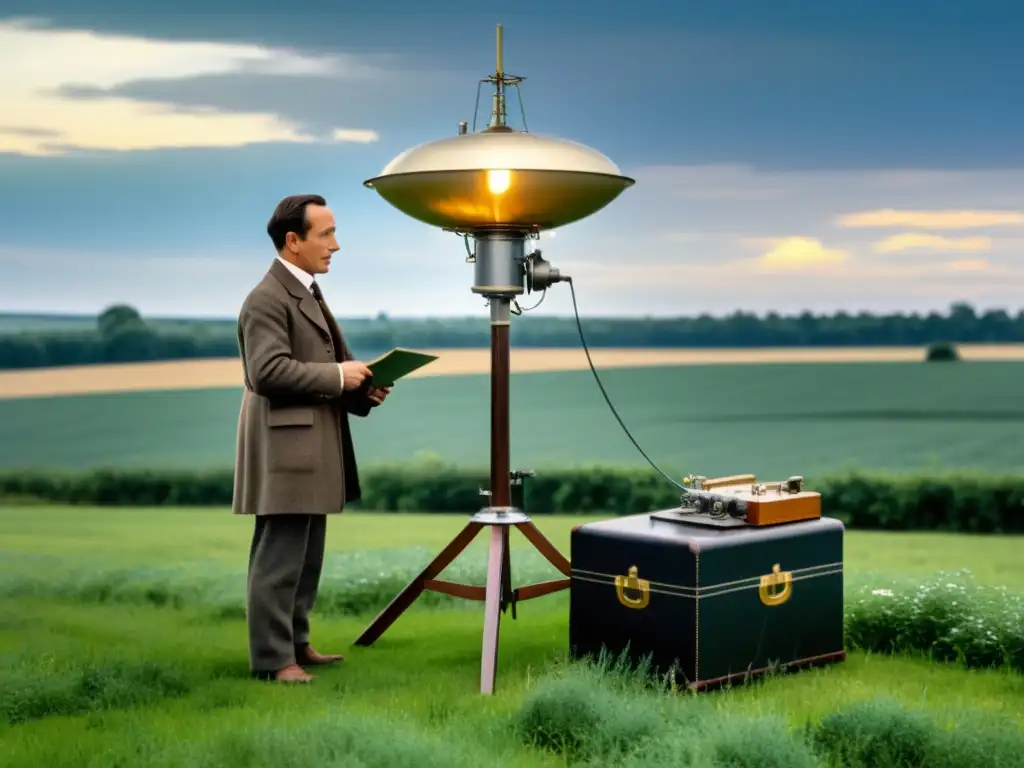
(500, 516)
(497, 594)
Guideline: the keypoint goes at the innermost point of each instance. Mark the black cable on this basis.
(597, 378)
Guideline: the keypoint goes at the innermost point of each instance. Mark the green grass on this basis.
(425, 670)
(714, 420)
(119, 684)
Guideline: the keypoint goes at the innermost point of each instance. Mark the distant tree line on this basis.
(122, 335)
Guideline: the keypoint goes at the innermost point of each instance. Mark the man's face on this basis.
(314, 253)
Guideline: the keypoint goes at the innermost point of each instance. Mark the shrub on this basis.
(879, 734)
(978, 738)
(884, 734)
(941, 351)
(763, 742)
(724, 740)
(950, 618)
(972, 503)
(574, 715)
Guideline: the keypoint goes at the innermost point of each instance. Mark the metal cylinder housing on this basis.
(499, 268)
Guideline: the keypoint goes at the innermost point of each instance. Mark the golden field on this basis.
(226, 372)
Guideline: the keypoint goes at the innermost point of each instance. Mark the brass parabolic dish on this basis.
(500, 178)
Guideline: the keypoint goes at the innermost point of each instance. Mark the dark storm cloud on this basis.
(317, 103)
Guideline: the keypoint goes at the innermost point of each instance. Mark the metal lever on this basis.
(517, 487)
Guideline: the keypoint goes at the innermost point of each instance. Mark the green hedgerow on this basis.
(950, 501)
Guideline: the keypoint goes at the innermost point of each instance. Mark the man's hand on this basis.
(377, 394)
(354, 373)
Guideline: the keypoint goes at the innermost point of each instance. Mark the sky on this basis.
(788, 156)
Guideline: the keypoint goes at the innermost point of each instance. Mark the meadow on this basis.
(769, 419)
(122, 633)
(123, 643)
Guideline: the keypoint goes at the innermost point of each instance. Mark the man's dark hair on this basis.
(290, 216)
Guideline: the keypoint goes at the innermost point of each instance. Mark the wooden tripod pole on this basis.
(497, 551)
(500, 439)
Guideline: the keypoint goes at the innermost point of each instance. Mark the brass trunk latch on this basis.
(633, 583)
(776, 588)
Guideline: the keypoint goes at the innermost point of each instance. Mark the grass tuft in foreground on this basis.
(588, 717)
(32, 690)
(588, 711)
(884, 734)
(340, 739)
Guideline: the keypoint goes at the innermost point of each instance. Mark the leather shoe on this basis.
(306, 654)
(293, 673)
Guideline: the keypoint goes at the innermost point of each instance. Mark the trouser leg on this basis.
(309, 580)
(276, 560)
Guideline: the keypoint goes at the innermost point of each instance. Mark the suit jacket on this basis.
(294, 451)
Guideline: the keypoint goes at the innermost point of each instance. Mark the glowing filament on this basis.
(498, 181)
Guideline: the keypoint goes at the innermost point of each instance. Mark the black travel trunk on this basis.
(710, 605)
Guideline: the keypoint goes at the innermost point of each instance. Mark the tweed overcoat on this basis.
(294, 452)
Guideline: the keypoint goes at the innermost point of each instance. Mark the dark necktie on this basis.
(319, 296)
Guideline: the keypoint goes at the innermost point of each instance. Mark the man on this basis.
(295, 462)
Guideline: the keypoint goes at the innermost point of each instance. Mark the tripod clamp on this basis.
(505, 517)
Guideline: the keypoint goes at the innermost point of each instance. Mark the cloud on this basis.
(919, 241)
(46, 71)
(688, 252)
(801, 253)
(357, 136)
(947, 219)
(969, 265)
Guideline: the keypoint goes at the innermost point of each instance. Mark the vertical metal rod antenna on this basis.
(498, 114)
(499, 69)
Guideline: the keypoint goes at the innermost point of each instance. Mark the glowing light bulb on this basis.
(498, 181)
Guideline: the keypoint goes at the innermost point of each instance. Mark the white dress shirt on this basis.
(307, 280)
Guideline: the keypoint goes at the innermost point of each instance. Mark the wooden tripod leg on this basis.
(545, 547)
(414, 588)
(496, 564)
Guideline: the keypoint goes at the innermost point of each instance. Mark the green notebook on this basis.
(389, 368)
